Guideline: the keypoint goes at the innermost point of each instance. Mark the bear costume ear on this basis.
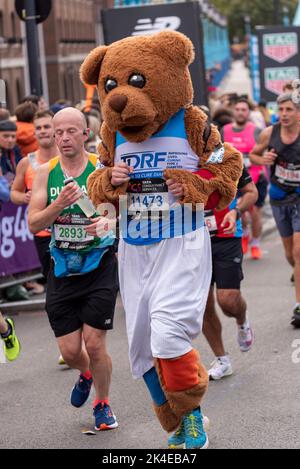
(176, 46)
(90, 69)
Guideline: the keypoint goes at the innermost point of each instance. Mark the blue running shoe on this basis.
(177, 440)
(104, 418)
(81, 391)
(195, 436)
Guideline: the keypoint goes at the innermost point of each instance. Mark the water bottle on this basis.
(84, 202)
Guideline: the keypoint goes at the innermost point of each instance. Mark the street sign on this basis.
(279, 59)
(42, 10)
(119, 23)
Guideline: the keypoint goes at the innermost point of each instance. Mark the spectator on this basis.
(59, 105)
(4, 114)
(31, 98)
(26, 138)
(222, 116)
(4, 189)
(93, 141)
(10, 154)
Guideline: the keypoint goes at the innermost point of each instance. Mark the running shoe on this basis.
(296, 318)
(81, 391)
(61, 360)
(195, 435)
(104, 418)
(220, 369)
(293, 278)
(256, 253)
(11, 343)
(177, 440)
(245, 244)
(245, 337)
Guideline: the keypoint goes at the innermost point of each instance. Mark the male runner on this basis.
(226, 231)
(243, 135)
(279, 148)
(82, 282)
(26, 169)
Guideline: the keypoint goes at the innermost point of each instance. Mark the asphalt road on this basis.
(258, 407)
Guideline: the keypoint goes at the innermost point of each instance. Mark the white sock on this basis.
(255, 243)
(246, 232)
(246, 324)
(225, 360)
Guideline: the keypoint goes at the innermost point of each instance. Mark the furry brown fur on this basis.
(183, 402)
(167, 418)
(137, 113)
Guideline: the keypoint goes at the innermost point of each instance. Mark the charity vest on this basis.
(285, 173)
(149, 213)
(34, 163)
(214, 219)
(244, 141)
(74, 252)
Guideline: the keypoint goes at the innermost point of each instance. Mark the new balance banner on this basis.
(147, 20)
(279, 56)
(17, 248)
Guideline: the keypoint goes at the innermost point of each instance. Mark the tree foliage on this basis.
(260, 12)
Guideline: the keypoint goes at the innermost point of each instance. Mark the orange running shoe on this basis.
(245, 244)
(256, 253)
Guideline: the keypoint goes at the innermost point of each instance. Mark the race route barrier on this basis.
(17, 250)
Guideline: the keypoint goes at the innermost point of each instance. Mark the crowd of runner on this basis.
(47, 156)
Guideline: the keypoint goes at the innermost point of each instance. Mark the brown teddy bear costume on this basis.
(151, 129)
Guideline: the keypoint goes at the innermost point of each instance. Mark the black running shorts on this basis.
(83, 299)
(227, 259)
(42, 247)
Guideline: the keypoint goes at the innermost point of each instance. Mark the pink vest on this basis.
(244, 141)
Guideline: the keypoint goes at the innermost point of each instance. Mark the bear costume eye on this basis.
(110, 84)
(137, 80)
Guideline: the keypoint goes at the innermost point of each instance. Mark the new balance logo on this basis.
(145, 26)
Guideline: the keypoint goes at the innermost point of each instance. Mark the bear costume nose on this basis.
(118, 102)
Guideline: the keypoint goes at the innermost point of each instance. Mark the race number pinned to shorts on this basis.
(211, 222)
(217, 155)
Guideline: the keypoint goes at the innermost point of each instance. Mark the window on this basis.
(13, 25)
(1, 24)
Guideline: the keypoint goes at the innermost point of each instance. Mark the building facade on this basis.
(72, 29)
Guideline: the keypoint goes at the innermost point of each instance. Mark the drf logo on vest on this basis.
(145, 160)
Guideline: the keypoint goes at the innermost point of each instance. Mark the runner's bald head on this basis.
(71, 115)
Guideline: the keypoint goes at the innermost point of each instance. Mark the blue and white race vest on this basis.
(149, 213)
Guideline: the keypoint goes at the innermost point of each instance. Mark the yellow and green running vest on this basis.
(74, 251)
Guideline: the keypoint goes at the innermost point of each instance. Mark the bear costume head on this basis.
(142, 83)
(139, 79)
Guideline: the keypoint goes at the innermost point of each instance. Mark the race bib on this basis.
(211, 222)
(287, 175)
(146, 195)
(71, 234)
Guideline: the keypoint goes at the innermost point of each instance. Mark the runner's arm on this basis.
(18, 193)
(40, 215)
(256, 156)
(249, 197)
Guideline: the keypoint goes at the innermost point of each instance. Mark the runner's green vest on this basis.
(68, 232)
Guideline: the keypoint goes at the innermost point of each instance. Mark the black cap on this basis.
(7, 126)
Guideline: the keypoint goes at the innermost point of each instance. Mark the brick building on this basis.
(69, 33)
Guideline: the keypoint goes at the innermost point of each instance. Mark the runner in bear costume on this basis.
(155, 145)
